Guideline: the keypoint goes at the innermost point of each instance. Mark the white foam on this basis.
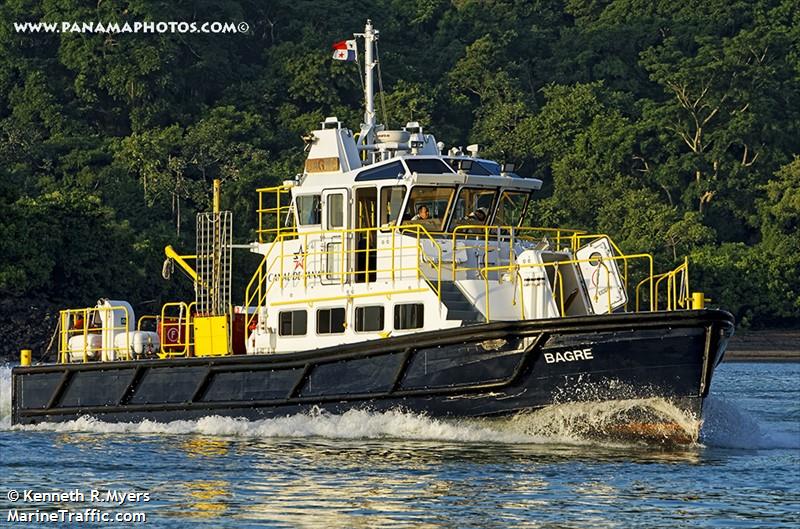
(562, 424)
(565, 423)
(353, 424)
(5, 397)
(725, 425)
(600, 418)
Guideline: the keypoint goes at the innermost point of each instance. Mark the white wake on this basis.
(725, 425)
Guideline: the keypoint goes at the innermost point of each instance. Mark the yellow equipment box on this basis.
(211, 336)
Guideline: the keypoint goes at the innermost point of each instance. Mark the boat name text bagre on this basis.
(569, 356)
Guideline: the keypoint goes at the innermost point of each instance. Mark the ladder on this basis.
(214, 263)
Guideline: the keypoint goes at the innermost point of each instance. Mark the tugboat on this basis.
(394, 273)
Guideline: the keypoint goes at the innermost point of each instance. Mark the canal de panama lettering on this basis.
(299, 261)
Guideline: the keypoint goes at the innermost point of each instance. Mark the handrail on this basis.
(258, 274)
(519, 232)
(643, 281)
(146, 317)
(666, 276)
(262, 281)
(179, 347)
(317, 261)
(499, 268)
(261, 299)
(673, 299)
(277, 210)
(70, 328)
(438, 266)
(573, 237)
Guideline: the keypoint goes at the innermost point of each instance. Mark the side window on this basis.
(335, 210)
(512, 208)
(330, 321)
(309, 209)
(391, 202)
(333, 257)
(409, 316)
(293, 323)
(369, 319)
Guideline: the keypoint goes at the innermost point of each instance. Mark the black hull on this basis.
(481, 370)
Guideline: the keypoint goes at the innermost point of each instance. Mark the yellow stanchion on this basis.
(25, 357)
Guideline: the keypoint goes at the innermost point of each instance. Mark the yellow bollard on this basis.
(25, 357)
(698, 301)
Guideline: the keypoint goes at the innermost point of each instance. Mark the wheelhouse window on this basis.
(369, 319)
(473, 207)
(330, 321)
(511, 208)
(292, 323)
(427, 165)
(309, 209)
(409, 316)
(428, 206)
(391, 204)
(478, 167)
(491, 167)
(390, 170)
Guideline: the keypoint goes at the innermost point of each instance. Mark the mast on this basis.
(368, 128)
(370, 36)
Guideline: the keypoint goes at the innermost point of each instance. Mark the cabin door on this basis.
(334, 242)
(366, 222)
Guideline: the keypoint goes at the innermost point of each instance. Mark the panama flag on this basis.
(344, 50)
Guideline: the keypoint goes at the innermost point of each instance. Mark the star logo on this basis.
(299, 259)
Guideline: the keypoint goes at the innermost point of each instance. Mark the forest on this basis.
(673, 126)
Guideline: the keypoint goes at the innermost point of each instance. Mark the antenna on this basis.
(368, 128)
(370, 36)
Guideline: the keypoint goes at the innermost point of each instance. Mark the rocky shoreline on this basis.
(764, 346)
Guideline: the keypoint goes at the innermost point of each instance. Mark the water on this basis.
(393, 469)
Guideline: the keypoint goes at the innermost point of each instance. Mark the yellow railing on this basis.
(97, 339)
(493, 235)
(176, 329)
(272, 211)
(146, 318)
(280, 265)
(558, 283)
(493, 238)
(561, 238)
(317, 261)
(677, 289)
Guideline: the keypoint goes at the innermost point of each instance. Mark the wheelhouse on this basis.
(415, 190)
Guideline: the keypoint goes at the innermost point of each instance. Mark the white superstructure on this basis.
(387, 235)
